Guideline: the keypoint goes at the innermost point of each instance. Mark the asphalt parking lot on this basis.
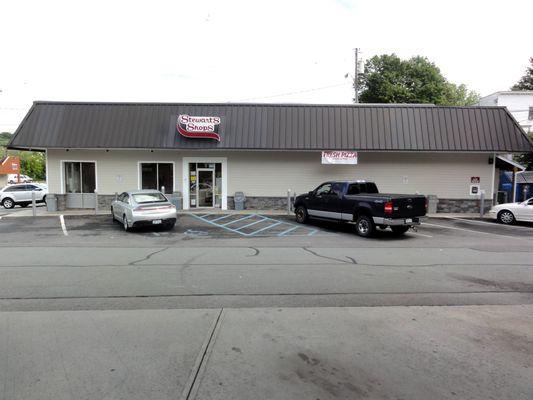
(239, 306)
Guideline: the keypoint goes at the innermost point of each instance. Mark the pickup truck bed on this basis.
(361, 203)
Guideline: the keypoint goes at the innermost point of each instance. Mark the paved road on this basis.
(204, 312)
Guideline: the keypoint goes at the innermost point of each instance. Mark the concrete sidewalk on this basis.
(475, 352)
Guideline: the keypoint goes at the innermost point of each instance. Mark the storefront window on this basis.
(157, 176)
(80, 177)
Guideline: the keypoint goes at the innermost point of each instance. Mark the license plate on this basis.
(408, 221)
(156, 221)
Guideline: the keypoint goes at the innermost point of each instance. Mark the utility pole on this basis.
(356, 76)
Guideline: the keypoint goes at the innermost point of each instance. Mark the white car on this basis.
(12, 178)
(511, 212)
(20, 194)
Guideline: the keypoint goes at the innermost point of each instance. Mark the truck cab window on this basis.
(324, 189)
(353, 189)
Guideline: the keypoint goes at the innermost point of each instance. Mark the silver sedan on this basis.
(143, 208)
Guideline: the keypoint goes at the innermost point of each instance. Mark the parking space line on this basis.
(218, 225)
(494, 224)
(312, 232)
(219, 218)
(292, 228)
(473, 231)
(250, 224)
(265, 228)
(420, 234)
(237, 220)
(63, 226)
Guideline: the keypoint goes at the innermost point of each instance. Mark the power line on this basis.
(296, 92)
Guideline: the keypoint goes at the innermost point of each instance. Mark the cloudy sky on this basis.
(232, 51)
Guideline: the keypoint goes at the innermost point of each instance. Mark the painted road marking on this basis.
(489, 223)
(288, 230)
(251, 223)
(219, 218)
(287, 226)
(237, 220)
(473, 231)
(420, 234)
(265, 228)
(63, 226)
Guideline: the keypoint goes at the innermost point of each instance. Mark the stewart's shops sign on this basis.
(199, 127)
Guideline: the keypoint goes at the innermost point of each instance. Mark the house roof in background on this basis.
(244, 126)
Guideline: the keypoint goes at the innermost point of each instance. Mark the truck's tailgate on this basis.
(408, 206)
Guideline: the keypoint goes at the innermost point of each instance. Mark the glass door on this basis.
(80, 184)
(205, 192)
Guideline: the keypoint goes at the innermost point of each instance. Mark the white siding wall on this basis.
(261, 173)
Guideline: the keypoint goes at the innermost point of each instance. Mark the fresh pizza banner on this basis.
(199, 127)
(339, 157)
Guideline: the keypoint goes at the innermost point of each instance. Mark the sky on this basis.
(287, 51)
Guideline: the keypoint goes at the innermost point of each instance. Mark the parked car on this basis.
(20, 194)
(510, 212)
(12, 179)
(143, 208)
(361, 202)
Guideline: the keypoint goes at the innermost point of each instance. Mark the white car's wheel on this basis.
(8, 203)
(506, 217)
(125, 223)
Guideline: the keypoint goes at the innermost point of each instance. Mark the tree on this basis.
(389, 79)
(526, 82)
(32, 163)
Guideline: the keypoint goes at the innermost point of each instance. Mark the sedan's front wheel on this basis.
(506, 217)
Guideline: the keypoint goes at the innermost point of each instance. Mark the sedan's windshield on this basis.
(154, 197)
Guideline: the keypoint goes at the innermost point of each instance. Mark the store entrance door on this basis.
(205, 189)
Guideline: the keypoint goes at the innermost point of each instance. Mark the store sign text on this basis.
(339, 157)
(199, 127)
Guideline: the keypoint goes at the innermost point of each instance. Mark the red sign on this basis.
(475, 179)
(198, 127)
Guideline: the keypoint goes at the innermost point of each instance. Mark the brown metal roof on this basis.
(273, 127)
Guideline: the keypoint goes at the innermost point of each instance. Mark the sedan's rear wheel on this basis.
(125, 223)
(506, 217)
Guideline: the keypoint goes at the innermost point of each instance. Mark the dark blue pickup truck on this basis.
(361, 202)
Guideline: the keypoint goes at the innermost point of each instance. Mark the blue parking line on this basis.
(312, 232)
(237, 220)
(218, 225)
(293, 228)
(265, 228)
(219, 218)
(252, 223)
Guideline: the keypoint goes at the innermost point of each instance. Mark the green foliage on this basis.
(5, 137)
(526, 82)
(32, 163)
(526, 159)
(389, 79)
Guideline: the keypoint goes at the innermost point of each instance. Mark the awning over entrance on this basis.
(506, 164)
(524, 177)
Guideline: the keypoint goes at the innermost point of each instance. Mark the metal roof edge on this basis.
(241, 104)
(17, 131)
(517, 125)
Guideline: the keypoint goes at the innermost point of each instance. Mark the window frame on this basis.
(62, 175)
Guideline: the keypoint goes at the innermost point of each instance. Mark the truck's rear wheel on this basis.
(399, 230)
(301, 214)
(364, 226)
